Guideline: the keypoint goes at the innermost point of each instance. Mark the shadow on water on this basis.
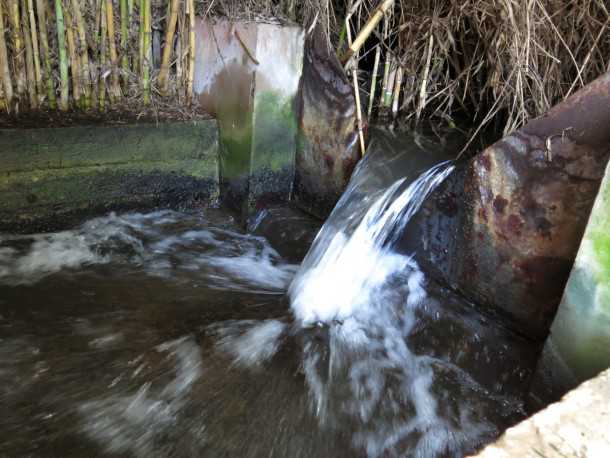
(171, 334)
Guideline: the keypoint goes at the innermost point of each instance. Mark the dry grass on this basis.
(495, 60)
(500, 61)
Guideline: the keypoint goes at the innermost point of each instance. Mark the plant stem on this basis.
(30, 74)
(115, 89)
(191, 72)
(35, 49)
(84, 54)
(77, 93)
(64, 89)
(17, 46)
(7, 84)
(147, 51)
(167, 50)
(102, 76)
(374, 80)
(124, 39)
(41, 10)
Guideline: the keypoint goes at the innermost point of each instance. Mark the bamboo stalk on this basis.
(17, 47)
(422, 90)
(358, 111)
(85, 76)
(77, 92)
(102, 75)
(124, 39)
(3, 104)
(41, 10)
(389, 82)
(64, 89)
(374, 80)
(167, 50)
(147, 51)
(141, 5)
(368, 28)
(7, 84)
(178, 50)
(191, 72)
(35, 49)
(115, 89)
(397, 86)
(30, 73)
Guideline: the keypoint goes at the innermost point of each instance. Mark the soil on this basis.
(118, 114)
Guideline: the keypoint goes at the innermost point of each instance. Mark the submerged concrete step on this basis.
(50, 176)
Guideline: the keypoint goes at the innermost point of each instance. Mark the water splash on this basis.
(367, 298)
(343, 272)
(222, 258)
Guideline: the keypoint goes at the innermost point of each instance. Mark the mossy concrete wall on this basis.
(49, 176)
(247, 75)
(579, 344)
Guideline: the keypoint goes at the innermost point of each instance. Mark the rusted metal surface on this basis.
(328, 144)
(528, 198)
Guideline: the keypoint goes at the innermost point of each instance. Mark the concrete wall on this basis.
(579, 344)
(49, 175)
(247, 75)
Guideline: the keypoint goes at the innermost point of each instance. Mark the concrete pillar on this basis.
(247, 75)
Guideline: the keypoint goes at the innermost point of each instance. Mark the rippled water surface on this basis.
(172, 334)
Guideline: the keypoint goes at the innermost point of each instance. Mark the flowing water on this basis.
(172, 334)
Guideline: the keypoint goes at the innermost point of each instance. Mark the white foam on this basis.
(220, 258)
(368, 295)
(249, 343)
(138, 424)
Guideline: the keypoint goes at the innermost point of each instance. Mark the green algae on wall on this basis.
(49, 176)
(250, 84)
(580, 334)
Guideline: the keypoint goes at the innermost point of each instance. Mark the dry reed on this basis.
(501, 61)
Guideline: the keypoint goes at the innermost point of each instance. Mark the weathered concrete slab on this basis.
(247, 75)
(579, 344)
(49, 175)
(328, 148)
(576, 427)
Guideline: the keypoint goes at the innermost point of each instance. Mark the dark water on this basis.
(171, 334)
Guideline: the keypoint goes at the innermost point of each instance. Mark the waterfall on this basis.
(343, 270)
